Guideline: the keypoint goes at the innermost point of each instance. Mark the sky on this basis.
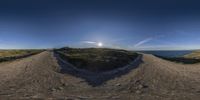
(123, 24)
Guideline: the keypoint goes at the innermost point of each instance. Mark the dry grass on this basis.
(193, 55)
(7, 55)
(181, 60)
(191, 58)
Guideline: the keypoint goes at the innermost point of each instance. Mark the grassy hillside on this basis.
(181, 60)
(193, 55)
(97, 59)
(9, 53)
(191, 58)
(6, 55)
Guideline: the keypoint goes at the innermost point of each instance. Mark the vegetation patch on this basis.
(193, 55)
(181, 60)
(97, 59)
(7, 55)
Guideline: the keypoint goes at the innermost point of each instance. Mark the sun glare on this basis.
(100, 44)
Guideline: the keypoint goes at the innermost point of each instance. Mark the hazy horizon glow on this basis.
(123, 24)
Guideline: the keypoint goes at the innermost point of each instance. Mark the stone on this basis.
(60, 88)
(118, 84)
(140, 86)
(53, 89)
(138, 92)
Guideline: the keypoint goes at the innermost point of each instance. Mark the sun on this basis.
(99, 44)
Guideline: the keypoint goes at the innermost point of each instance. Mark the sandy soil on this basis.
(45, 76)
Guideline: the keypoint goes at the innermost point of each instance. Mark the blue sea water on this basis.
(168, 53)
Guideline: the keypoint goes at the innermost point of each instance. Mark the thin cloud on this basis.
(143, 42)
(89, 42)
(147, 40)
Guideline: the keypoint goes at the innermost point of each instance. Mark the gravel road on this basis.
(39, 77)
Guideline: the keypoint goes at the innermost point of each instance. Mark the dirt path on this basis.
(153, 79)
(29, 76)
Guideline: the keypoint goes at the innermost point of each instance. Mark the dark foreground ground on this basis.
(46, 76)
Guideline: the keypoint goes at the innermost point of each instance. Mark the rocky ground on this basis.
(42, 77)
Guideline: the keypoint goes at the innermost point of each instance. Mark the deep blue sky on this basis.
(128, 24)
